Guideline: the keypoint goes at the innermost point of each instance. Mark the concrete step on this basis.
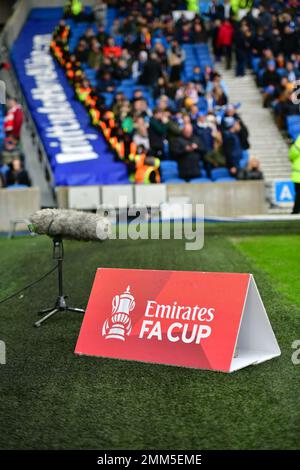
(266, 141)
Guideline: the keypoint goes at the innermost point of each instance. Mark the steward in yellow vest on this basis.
(294, 155)
(146, 169)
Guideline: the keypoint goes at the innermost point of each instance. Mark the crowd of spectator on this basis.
(170, 116)
(267, 40)
(276, 55)
(12, 171)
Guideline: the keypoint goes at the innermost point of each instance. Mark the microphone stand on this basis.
(61, 304)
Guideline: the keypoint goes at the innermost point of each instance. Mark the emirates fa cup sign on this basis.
(211, 321)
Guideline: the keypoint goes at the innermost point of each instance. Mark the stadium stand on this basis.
(13, 174)
(274, 59)
(269, 145)
(170, 108)
(75, 155)
(269, 36)
(100, 63)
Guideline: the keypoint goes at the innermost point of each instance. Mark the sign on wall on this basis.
(284, 192)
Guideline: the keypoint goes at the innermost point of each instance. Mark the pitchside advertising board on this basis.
(213, 321)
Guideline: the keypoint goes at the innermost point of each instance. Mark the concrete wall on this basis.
(219, 199)
(17, 204)
(6, 7)
(15, 22)
(225, 199)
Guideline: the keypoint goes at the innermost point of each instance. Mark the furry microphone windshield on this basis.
(70, 225)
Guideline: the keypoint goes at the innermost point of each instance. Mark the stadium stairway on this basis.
(266, 141)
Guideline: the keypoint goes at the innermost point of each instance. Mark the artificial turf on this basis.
(52, 399)
(279, 256)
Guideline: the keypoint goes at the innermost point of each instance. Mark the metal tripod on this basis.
(61, 304)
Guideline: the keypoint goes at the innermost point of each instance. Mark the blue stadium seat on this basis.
(119, 40)
(202, 104)
(244, 161)
(108, 98)
(281, 71)
(219, 173)
(4, 169)
(129, 82)
(204, 6)
(292, 120)
(169, 170)
(293, 129)
(255, 63)
(294, 134)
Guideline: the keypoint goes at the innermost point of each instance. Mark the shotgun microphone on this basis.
(60, 224)
(70, 225)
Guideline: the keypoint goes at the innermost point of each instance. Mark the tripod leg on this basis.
(46, 310)
(50, 314)
(76, 310)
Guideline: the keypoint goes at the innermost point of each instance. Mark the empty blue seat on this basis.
(108, 98)
(218, 173)
(169, 170)
(293, 119)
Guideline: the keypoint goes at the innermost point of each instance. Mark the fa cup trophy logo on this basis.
(119, 325)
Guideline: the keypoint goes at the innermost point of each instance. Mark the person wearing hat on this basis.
(231, 111)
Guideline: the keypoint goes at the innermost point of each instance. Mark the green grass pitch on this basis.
(52, 399)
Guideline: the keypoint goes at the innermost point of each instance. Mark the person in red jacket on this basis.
(111, 50)
(14, 119)
(225, 41)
